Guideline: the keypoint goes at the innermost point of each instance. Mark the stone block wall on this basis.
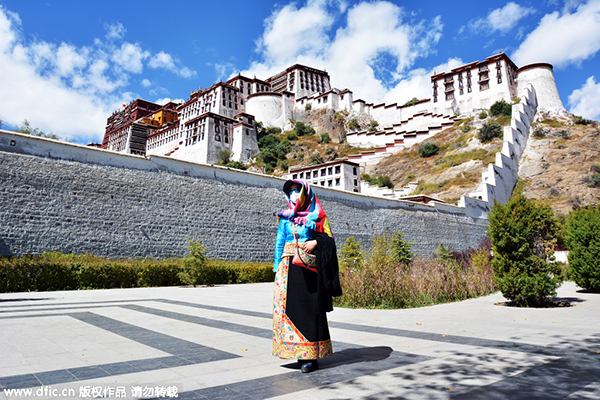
(63, 197)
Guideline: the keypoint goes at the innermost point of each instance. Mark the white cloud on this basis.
(501, 20)
(130, 57)
(115, 31)
(146, 83)
(43, 82)
(563, 39)
(586, 101)
(368, 57)
(291, 31)
(162, 60)
(505, 18)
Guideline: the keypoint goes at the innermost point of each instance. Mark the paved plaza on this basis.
(215, 343)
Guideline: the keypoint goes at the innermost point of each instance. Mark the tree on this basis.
(501, 107)
(385, 180)
(351, 255)
(442, 252)
(402, 249)
(411, 102)
(523, 237)
(489, 132)
(373, 126)
(583, 240)
(224, 156)
(429, 150)
(29, 130)
(194, 271)
(303, 129)
(325, 138)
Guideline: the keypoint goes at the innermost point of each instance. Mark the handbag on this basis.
(302, 258)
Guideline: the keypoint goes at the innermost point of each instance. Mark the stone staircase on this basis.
(393, 139)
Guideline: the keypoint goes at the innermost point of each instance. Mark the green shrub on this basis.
(107, 275)
(583, 228)
(501, 107)
(329, 150)
(353, 124)
(386, 181)
(308, 107)
(429, 150)
(443, 252)
(56, 271)
(489, 132)
(373, 125)
(466, 128)
(291, 135)
(316, 158)
(402, 249)
(195, 271)
(579, 120)
(303, 129)
(159, 273)
(350, 255)
(324, 138)
(411, 102)
(522, 235)
(483, 115)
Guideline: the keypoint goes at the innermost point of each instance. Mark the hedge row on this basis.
(55, 271)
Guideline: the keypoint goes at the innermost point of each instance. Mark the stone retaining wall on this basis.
(57, 196)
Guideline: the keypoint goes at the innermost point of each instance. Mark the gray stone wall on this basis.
(136, 207)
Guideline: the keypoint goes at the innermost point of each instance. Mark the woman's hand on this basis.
(309, 246)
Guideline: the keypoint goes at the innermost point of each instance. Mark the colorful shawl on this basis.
(307, 210)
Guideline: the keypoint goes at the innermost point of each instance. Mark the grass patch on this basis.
(552, 123)
(384, 282)
(456, 159)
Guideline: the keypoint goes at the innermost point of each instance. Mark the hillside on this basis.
(560, 165)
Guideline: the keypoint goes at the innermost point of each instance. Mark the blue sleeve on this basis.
(280, 242)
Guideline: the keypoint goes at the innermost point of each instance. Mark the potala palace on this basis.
(224, 116)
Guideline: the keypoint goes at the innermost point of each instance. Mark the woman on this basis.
(303, 294)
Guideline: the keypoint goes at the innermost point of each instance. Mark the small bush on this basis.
(324, 138)
(291, 136)
(411, 102)
(579, 120)
(522, 235)
(538, 132)
(353, 124)
(584, 247)
(194, 271)
(489, 132)
(386, 181)
(308, 107)
(466, 128)
(329, 150)
(501, 107)
(350, 255)
(483, 115)
(429, 150)
(373, 125)
(303, 129)
(316, 158)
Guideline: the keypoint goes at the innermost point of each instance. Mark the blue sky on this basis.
(66, 65)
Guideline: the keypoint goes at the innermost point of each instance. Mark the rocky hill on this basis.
(561, 164)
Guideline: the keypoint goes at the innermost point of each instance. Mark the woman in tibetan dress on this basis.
(303, 295)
